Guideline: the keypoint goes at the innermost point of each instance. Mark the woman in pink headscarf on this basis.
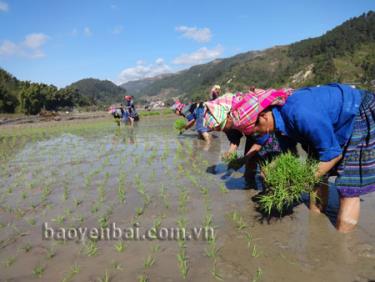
(229, 113)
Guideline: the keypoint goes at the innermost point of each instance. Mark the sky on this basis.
(60, 42)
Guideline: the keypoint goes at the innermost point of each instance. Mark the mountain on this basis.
(98, 91)
(344, 54)
(135, 87)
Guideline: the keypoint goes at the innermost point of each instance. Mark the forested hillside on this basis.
(345, 54)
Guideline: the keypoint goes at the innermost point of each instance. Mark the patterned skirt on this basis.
(356, 171)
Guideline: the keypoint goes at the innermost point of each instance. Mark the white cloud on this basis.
(141, 70)
(200, 56)
(35, 40)
(4, 6)
(87, 31)
(198, 34)
(30, 47)
(117, 29)
(8, 48)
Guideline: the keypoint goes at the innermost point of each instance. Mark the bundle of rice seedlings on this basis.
(286, 178)
(227, 158)
(180, 124)
(232, 160)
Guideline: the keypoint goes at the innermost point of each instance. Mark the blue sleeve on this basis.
(190, 117)
(262, 139)
(317, 131)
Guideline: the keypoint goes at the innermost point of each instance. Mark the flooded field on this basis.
(91, 174)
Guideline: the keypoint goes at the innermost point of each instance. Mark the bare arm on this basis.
(190, 124)
(324, 167)
(255, 148)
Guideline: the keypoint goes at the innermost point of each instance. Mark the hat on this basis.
(178, 106)
(217, 111)
(246, 109)
(216, 87)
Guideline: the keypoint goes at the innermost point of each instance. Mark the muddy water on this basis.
(73, 180)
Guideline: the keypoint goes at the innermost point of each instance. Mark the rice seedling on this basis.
(59, 219)
(9, 261)
(103, 221)
(182, 222)
(67, 212)
(19, 213)
(24, 195)
(254, 252)
(204, 190)
(183, 263)
(157, 223)
(101, 191)
(207, 221)
(149, 261)
(27, 247)
(45, 193)
(91, 248)
(146, 199)
(286, 178)
(120, 246)
(73, 271)
(212, 250)
(238, 220)
(139, 211)
(215, 273)
(143, 278)
(152, 157)
(155, 249)
(182, 199)
(258, 275)
(223, 189)
(38, 270)
(164, 196)
(121, 192)
(95, 208)
(116, 265)
(77, 202)
(105, 278)
(249, 239)
(10, 190)
(66, 193)
(51, 252)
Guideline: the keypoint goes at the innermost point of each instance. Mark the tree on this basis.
(32, 98)
(8, 102)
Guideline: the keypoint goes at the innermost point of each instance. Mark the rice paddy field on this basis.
(91, 174)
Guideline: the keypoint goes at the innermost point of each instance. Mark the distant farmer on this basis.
(130, 113)
(117, 112)
(336, 124)
(194, 114)
(215, 92)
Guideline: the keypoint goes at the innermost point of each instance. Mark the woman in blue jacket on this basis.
(336, 123)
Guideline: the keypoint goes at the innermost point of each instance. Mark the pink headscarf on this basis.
(246, 108)
(178, 106)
